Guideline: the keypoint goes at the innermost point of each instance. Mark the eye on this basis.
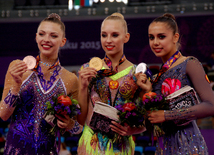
(151, 37)
(162, 36)
(41, 34)
(54, 36)
(115, 35)
(103, 35)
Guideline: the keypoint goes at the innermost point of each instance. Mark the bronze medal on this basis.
(30, 61)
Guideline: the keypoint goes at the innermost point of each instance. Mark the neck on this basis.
(48, 60)
(166, 57)
(115, 59)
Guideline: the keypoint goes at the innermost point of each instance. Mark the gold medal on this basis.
(113, 84)
(96, 63)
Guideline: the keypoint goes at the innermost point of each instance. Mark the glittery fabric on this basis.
(29, 132)
(28, 129)
(95, 143)
(184, 139)
(11, 99)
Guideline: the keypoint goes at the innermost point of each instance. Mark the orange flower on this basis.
(149, 95)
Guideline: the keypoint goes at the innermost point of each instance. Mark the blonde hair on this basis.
(118, 16)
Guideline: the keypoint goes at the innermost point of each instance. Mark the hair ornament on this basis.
(169, 16)
(54, 15)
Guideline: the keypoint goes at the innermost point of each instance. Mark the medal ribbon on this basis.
(168, 64)
(106, 72)
(110, 71)
(37, 64)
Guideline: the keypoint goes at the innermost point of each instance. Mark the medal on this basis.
(96, 63)
(141, 68)
(113, 84)
(30, 61)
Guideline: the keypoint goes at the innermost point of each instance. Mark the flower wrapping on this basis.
(151, 102)
(62, 105)
(169, 86)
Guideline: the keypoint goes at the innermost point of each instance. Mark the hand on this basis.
(17, 71)
(65, 122)
(156, 116)
(121, 130)
(85, 76)
(143, 82)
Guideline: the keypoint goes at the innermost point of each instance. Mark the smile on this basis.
(157, 50)
(46, 47)
(109, 47)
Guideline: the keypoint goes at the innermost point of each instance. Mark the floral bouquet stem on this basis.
(154, 102)
(158, 131)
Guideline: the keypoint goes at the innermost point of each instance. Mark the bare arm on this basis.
(13, 81)
(85, 76)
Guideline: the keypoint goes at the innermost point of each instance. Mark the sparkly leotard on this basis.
(29, 133)
(96, 143)
(186, 139)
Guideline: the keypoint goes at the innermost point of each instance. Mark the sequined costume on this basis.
(185, 139)
(92, 143)
(29, 133)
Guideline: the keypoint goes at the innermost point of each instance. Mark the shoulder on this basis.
(187, 60)
(68, 75)
(192, 59)
(129, 63)
(70, 80)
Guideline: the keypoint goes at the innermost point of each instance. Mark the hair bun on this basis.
(54, 15)
(118, 15)
(169, 15)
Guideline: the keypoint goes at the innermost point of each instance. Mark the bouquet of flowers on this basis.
(62, 105)
(153, 101)
(131, 114)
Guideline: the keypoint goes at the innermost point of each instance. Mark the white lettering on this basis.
(82, 45)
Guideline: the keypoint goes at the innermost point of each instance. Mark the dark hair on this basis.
(118, 16)
(169, 19)
(55, 18)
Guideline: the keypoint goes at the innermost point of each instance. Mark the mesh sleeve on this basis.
(197, 76)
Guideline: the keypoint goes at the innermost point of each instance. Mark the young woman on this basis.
(182, 136)
(111, 90)
(27, 90)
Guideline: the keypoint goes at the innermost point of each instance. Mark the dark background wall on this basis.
(17, 39)
(83, 40)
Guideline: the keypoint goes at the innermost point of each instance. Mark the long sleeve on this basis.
(197, 76)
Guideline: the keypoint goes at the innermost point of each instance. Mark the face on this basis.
(49, 38)
(113, 37)
(162, 40)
